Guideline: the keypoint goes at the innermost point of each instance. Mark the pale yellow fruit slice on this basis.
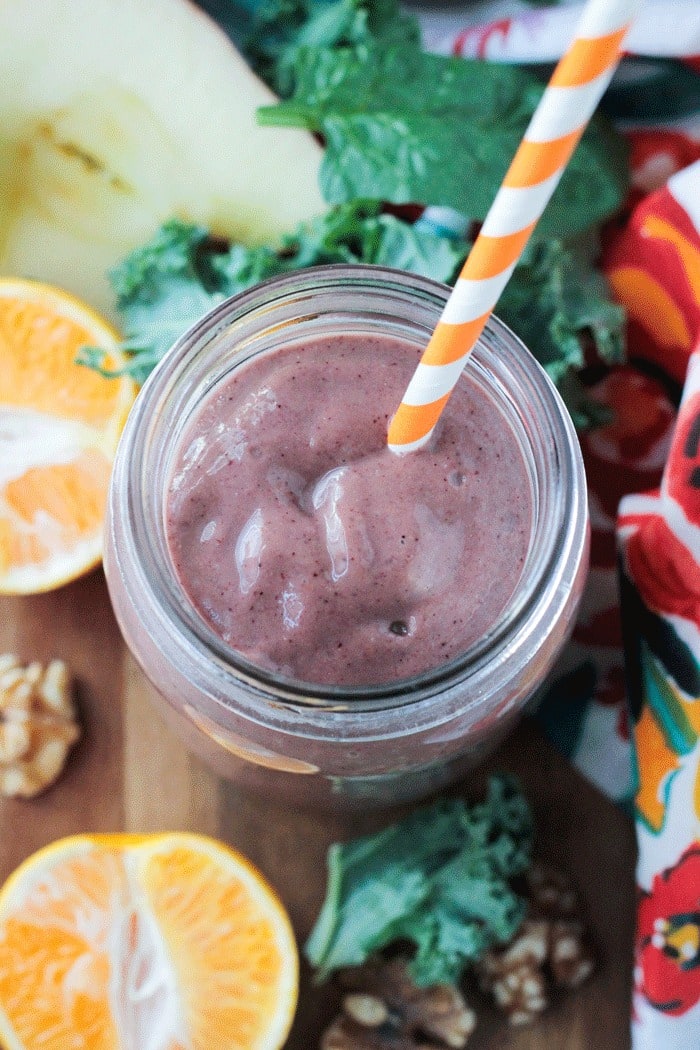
(116, 115)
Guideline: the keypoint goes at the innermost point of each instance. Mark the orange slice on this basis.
(143, 942)
(59, 426)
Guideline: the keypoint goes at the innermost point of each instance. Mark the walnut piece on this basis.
(550, 950)
(38, 725)
(384, 1010)
(514, 975)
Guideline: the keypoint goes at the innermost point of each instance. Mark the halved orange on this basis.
(59, 426)
(143, 942)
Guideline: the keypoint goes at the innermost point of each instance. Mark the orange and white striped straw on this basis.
(567, 105)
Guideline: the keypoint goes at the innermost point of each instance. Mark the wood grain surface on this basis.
(130, 773)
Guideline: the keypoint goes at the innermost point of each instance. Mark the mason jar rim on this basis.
(555, 547)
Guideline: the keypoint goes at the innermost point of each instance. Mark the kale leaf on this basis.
(406, 126)
(441, 879)
(554, 301)
(167, 285)
(162, 288)
(283, 29)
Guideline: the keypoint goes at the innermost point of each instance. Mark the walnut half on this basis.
(384, 1010)
(550, 950)
(38, 725)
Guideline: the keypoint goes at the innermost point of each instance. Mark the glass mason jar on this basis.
(328, 745)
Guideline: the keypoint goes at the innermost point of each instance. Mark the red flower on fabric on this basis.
(664, 570)
(652, 266)
(658, 153)
(682, 474)
(625, 455)
(668, 937)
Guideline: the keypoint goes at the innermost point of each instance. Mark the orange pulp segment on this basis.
(155, 942)
(59, 426)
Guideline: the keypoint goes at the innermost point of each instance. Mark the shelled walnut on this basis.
(384, 1010)
(38, 725)
(549, 951)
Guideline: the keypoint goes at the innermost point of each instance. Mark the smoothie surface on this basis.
(317, 553)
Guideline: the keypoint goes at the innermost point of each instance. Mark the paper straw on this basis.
(568, 103)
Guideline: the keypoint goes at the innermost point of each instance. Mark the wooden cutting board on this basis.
(130, 773)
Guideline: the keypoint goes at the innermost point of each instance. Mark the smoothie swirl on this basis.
(317, 553)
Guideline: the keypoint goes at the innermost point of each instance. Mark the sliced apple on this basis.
(118, 114)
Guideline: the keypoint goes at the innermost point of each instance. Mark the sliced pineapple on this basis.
(118, 114)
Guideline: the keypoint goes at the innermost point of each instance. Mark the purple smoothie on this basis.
(313, 550)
